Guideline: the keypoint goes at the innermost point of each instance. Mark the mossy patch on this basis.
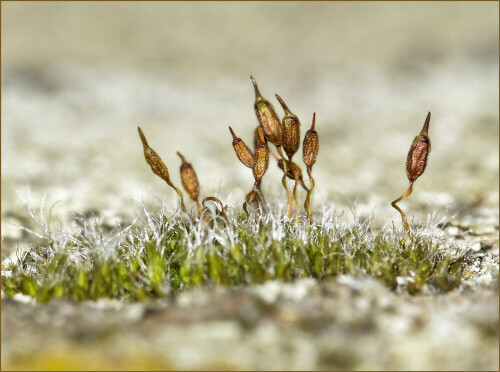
(157, 255)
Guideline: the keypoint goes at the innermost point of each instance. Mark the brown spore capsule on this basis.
(290, 130)
(158, 167)
(153, 159)
(310, 145)
(416, 162)
(267, 117)
(189, 179)
(242, 151)
(261, 158)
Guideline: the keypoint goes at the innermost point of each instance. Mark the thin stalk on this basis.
(198, 205)
(283, 181)
(297, 204)
(297, 181)
(303, 185)
(260, 194)
(273, 155)
(249, 199)
(260, 197)
(179, 192)
(222, 209)
(254, 194)
(404, 196)
(307, 203)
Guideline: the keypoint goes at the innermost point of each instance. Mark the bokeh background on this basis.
(78, 78)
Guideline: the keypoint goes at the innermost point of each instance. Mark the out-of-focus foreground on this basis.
(77, 80)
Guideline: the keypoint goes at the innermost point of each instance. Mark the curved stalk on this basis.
(283, 181)
(249, 199)
(260, 192)
(260, 197)
(251, 196)
(179, 192)
(222, 208)
(297, 204)
(198, 206)
(404, 196)
(307, 203)
(276, 157)
(303, 184)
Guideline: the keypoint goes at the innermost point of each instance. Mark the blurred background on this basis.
(79, 77)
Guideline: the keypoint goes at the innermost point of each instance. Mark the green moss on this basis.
(158, 256)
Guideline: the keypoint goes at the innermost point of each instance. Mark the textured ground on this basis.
(349, 323)
(71, 102)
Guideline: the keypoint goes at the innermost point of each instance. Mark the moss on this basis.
(158, 256)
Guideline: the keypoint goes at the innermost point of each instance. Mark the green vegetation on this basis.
(162, 255)
(157, 256)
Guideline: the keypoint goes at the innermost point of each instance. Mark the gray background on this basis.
(78, 78)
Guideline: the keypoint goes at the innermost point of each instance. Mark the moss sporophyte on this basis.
(284, 135)
(188, 177)
(416, 162)
(161, 254)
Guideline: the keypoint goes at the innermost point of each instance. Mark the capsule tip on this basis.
(182, 157)
(232, 133)
(425, 129)
(313, 122)
(255, 87)
(282, 103)
(143, 138)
